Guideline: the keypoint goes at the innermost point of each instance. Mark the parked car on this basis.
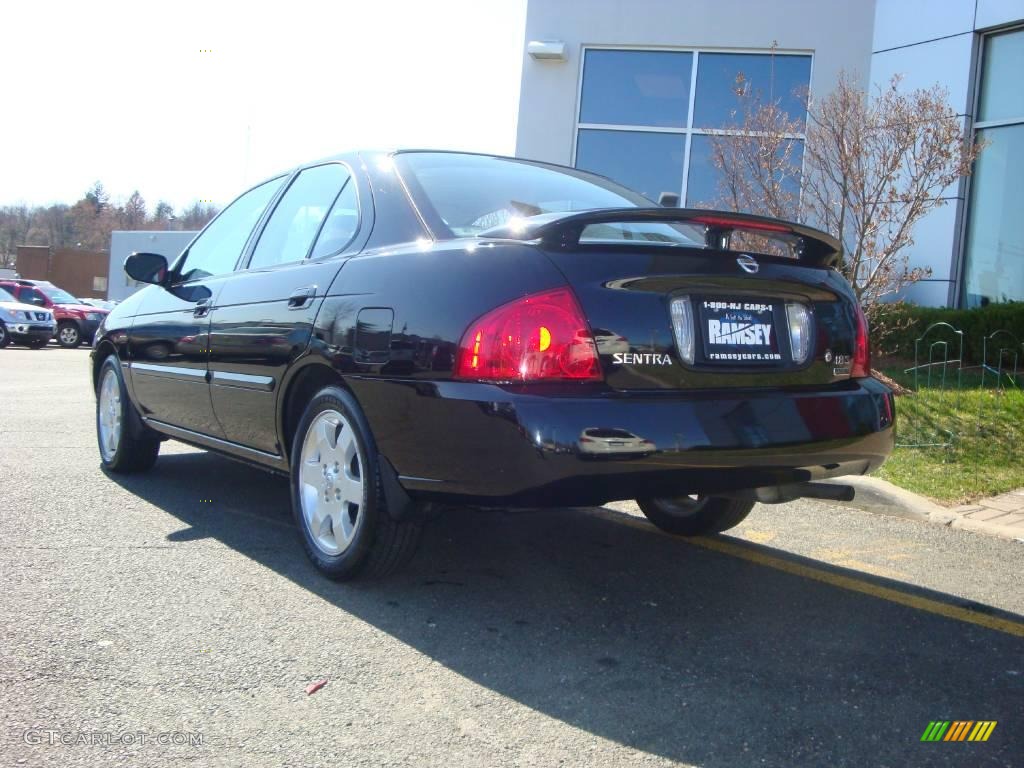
(397, 332)
(604, 442)
(23, 323)
(76, 322)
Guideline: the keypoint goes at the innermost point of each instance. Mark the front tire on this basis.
(337, 496)
(5, 337)
(695, 516)
(68, 335)
(126, 445)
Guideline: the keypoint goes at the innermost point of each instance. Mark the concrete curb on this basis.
(884, 498)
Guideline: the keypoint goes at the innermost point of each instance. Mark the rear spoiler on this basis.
(563, 230)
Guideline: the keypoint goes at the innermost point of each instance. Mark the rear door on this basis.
(169, 338)
(264, 316)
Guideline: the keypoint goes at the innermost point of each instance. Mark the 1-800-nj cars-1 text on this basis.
(401, 331)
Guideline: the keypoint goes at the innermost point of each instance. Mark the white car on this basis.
(601, 441)
(24, 323)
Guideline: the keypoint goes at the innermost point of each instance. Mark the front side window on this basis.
(467, 194)
(643, 124)
(32, 296)
(296, 220)
(217, 249)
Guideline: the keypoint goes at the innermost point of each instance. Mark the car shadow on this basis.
(642, 639)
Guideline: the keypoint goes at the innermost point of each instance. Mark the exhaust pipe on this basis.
(780, 494)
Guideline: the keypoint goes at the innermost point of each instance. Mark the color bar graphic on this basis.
(959, 730)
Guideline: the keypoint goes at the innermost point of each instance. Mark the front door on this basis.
(264, 316)
(169, 344)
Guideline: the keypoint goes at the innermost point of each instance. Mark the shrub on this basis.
(900, 324)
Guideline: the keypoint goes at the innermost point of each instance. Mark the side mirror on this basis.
(668, 200)
(146, 268)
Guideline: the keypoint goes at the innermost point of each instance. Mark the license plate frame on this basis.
(734, 331)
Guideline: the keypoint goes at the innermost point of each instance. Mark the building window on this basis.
(645, 116)
(994, 246)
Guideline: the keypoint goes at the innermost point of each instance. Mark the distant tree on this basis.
(88, 222)
(51, 226)
(97, 196)
(15, 223)
(197, 215)
(132, 215)
(162, 215)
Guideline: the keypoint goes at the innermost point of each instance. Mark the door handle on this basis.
(202, 308)
(301, 297)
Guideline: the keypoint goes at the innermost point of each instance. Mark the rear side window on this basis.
(297, 219)
(219, 246)
(341, 225)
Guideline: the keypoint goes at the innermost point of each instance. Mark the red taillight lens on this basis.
(861, 366)
(542, 337)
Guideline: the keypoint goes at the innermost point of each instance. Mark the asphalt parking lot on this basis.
(178, 607)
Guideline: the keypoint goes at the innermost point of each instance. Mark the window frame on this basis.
(175, 269)
(245, 262)
(689, 130)
(957, 296)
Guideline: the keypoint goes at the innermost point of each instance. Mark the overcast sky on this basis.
(121, 92)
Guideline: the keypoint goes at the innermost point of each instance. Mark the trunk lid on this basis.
(736, 330)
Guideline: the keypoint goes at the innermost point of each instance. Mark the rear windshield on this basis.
(464, 195)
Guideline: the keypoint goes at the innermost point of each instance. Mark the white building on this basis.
(123, 243)
(627, 87)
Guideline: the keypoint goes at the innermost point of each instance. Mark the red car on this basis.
(76, 322)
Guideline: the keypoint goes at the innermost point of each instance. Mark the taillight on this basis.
(541, 337)
(861, 366)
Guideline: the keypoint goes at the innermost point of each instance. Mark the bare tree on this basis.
(133, 214)
(758, 157)
(873, 166)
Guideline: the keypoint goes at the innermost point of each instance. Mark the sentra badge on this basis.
(640, 358)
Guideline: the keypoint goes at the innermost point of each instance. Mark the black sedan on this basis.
(397, 332)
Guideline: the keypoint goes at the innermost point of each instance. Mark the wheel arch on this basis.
(102, 351)
(298, 391)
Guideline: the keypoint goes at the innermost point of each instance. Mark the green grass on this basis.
(984, 429)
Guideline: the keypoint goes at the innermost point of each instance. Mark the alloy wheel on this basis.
(109, 415)
(331, 481)
(68, 335)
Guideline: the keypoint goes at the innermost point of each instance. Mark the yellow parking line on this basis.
(850, 583)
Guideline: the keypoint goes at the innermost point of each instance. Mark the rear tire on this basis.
(125, 443)
(68, 335)
(337, 495)
(689, 516)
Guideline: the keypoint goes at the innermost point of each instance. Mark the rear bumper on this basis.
(481, 443)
